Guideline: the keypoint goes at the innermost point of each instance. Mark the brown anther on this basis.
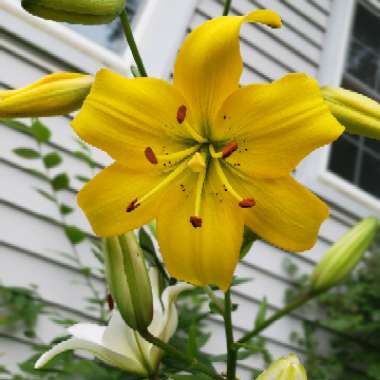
(150, 156)
(110, 302)
(181, 114)
(132, 206)
(196, 221)
(247, 203)
(229, 149)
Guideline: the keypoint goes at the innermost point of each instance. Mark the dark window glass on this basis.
(357, 159)
(343, 158)
(363, 64)
(370, 174)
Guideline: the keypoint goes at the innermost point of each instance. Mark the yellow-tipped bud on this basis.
(344, 255)
(285, 368)
(89, 12)
(55, 94)
(128, 280)
(358, 113)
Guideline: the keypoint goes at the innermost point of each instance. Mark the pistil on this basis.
(195, 219)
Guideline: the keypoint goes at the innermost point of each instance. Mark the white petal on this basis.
(87, 331)
(119, 337)
(102, 353)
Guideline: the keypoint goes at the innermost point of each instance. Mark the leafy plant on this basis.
(352, 314)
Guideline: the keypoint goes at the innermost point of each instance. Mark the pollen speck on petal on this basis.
(229, 149)
(181, 114)
(196, 221)
(132, 206)
(247, 203)
(151, 157)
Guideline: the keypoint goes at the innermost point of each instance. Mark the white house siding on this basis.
(30, 234)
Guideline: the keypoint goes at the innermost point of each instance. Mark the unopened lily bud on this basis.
(358, 113)
(55, 94)
(90, 12)
(285, 368)
(128, 280)
(344, 255)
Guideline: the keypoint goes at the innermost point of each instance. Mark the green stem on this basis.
(227, 5)
(132, 43)
(231, 349)
(286, 310)
(216, 301)
(193, 362)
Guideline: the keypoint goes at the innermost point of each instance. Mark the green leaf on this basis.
(28, 153)
(51, 160)
(16, 125)
(192, 344)
(65, 209)
(85, 158)
(40, 132)
(261, 314)
(249, 238)
(82, 178)
(74, 234)
(60, 182)
(45, 194)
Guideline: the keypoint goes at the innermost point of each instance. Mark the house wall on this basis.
(30, 231)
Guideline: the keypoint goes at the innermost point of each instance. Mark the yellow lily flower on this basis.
(54, 94)
(204, 156)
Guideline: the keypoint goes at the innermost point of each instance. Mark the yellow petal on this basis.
(205, 255)
(125, 116)
(286, 214)
(275, 125)
(106, 197)
(209, 64)
(55, 94)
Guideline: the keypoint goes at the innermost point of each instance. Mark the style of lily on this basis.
(120, 346)
(204, 156)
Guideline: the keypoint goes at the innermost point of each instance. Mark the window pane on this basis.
(343, 158)
(374, 145)
(362, 63)
(370, 175)
(366, 28)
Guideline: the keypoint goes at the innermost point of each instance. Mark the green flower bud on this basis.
(344, 255)
(285, 368)
(89, 12)
(358, 113)
(54, 94)
(128, 280)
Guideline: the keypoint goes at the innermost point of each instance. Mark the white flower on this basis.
(120, 346)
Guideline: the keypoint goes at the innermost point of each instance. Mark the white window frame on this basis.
(313, 171)
(159, 27)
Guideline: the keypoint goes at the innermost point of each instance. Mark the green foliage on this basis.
(28, 153)
(40, 132)
(19, 308)
(352, 311)
(51, 160)
(74, 234)
(60, 182)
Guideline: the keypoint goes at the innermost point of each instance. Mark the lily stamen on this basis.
(150, 156)
(166, 181)
(243, 202)
(229, 149)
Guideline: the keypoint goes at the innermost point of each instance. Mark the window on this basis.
(357, 159)
(109, 35)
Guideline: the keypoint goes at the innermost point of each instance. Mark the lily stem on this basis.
(132, 43)
(227, 5)
(231, 348)
(301, 300)
(193, 362)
